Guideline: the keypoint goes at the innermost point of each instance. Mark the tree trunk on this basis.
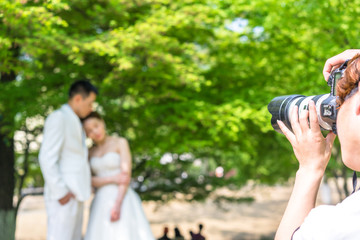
(7, 224)
(7, 183)
(7, 163)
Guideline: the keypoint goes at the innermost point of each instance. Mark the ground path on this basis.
(228, 221)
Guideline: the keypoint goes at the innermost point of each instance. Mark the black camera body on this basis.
(326, 107)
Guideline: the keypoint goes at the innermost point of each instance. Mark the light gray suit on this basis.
(64, 164)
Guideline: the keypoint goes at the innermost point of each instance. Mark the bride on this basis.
(116, 211)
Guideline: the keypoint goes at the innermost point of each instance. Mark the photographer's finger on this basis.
(295, 121)
(304, 120)
(330, 138)
(336, 61)
(288, 134)
(329, 65)
(314, 121)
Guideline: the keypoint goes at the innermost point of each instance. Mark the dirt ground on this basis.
(257, 220)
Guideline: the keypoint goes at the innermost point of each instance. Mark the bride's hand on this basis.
(121, 178)
(115, 212)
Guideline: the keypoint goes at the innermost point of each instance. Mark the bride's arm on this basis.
(97, 182)
(101, 181)
(125, 167)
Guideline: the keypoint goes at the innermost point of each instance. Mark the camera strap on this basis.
(354, 182)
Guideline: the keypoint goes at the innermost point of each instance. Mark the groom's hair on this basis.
(83, 87)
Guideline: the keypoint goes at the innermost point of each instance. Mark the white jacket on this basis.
(64, 156)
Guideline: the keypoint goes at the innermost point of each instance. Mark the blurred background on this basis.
(186, 82)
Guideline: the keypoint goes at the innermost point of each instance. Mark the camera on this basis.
(326, 107)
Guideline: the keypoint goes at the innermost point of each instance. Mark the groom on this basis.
(64, 163)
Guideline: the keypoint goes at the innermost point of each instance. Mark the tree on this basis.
(24, 26)
(299, 37)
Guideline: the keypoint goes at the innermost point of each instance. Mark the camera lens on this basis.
(282, 106)
(280, 109)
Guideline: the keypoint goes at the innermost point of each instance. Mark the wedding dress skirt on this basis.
(132, 225)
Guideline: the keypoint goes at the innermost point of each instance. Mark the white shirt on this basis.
(332, 222)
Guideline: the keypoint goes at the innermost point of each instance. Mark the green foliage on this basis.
(176, 77)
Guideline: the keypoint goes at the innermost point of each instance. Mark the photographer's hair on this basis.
(82, 87)
(349, 80)
(92, 115)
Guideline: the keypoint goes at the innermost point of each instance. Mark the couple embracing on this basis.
(70, 171)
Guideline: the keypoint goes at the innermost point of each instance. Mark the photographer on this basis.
(301, 220)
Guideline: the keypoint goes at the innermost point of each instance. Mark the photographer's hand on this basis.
(337, 60)
(313, 152)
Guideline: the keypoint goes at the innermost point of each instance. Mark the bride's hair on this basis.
(92, 115)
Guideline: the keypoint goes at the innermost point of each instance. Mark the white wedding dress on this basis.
(132, 225)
